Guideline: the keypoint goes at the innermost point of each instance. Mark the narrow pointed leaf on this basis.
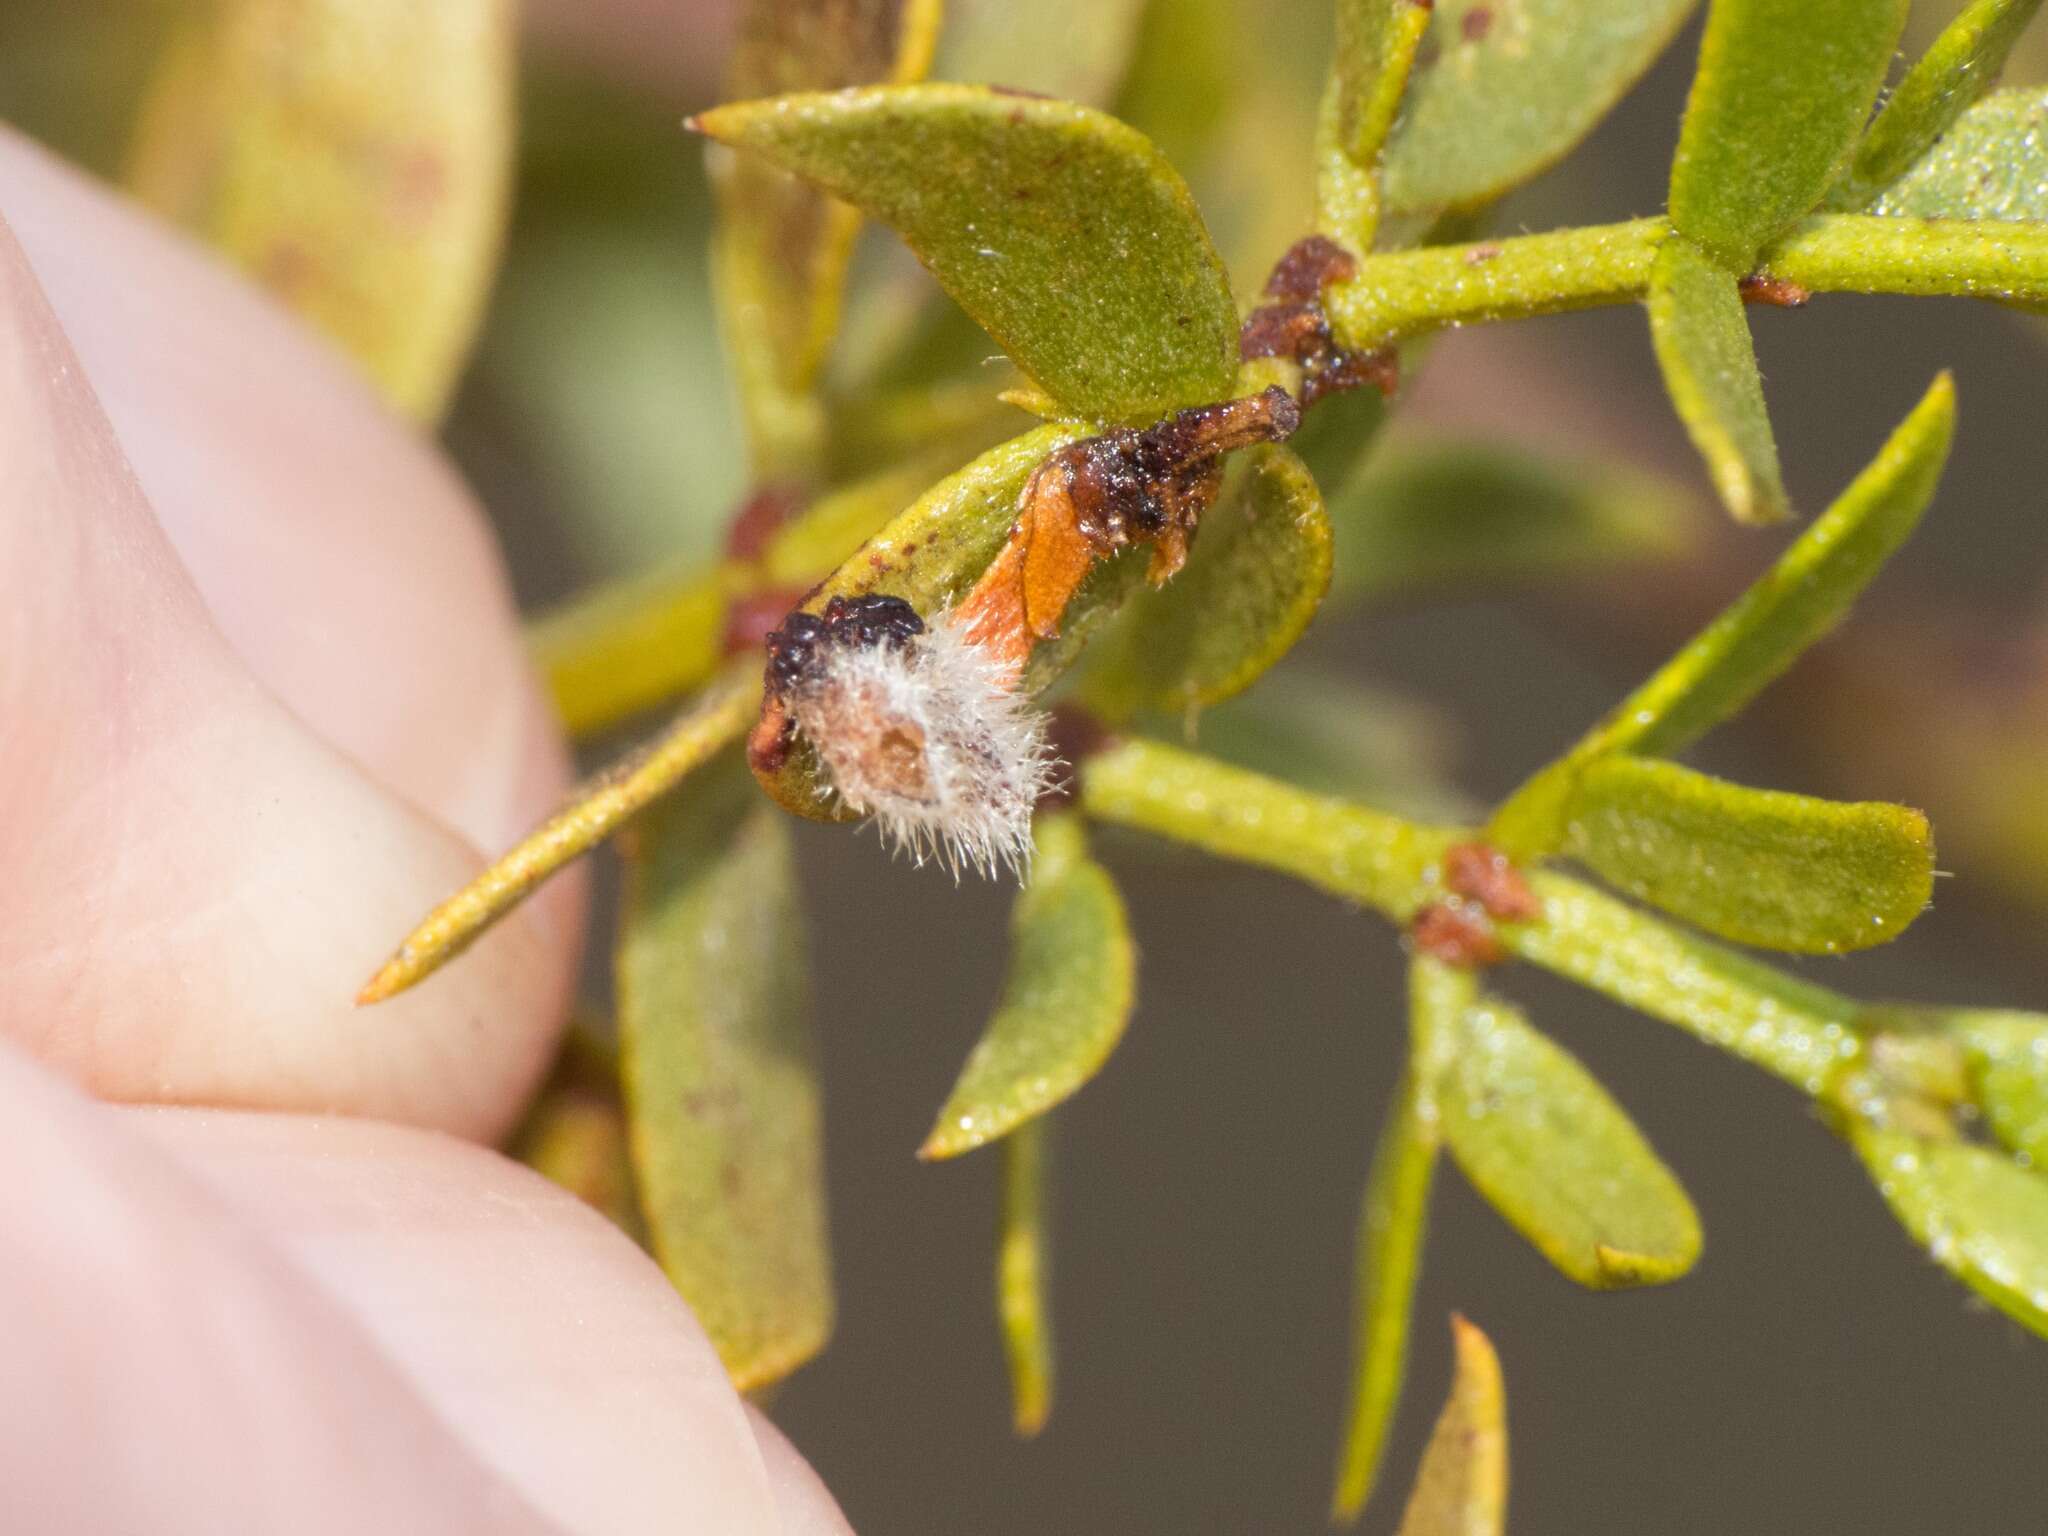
(720, 1075)
(1961, 66)
(1073, 977)
(1507, 90)
(575, 1133)
(2007, 1056)
(595, 811)
(1797, 75)
(1377, 41)
(1076, 53)
(1023, 1281)
(1701, 334)
(1763, 632)
(1559, 1159)
(1757, 866)
(929, 555)
(1064, 232)
(1465, 511)
(1252, 584)
(1992, 165)
(1462, 1487)
(1391, 1230)
(353, 157)
(1980, 1217)
(782, 247)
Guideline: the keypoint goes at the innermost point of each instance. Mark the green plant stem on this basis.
(1407, 293)
(1797, 1031)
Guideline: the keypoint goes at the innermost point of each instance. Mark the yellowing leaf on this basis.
(1782, 92)
(1980, 1217)
(720, 1075)
(1992, 165)
(1780, 871)
(1064, 232)
(575, 1133)
(1023, 1285)
(352, 156)
(1701, 335)
(1253, 582)
(1391, 1229)
(1758, 636)
(1510, 88)
(1462, 1487)
(1960, 67)
(1559, 1159)
(1073, 977)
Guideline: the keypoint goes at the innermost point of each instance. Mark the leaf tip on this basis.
(393, 977)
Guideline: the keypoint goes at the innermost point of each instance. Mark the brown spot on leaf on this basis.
(1482, 873)
(1479, 255)
(1456, 934)
(1476, 23)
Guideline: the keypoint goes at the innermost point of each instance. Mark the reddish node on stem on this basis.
(1482, 873)
(1456, 934)
(759, 518)
(1762, 288)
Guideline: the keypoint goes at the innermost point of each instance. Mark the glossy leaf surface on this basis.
(1251, 585)
(1701, 334)
(1780, 96)
(1781, 871)
(1508, 89)
(1064, 232)
(1068, 996)
(720, 1074)
(1559, 1159)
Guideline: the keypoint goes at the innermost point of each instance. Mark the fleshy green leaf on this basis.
(928, 555)
(1391, 1229)
(1559, 1159)
(1960, 67)
(1073, 977)
(1980, 1217)
(1757, 866)
(1075, 52)
(1509, 89)
(720, 1075)
(1993, 164)
(1456, 511)
(1781, 94)
(781, 248)
(1376, 42)
(1701, 334)
(1023, 1285)
(2007, 1056)
(1252, 584)
(353, 157)
(1462, 1487)
(1064, 232)
(1757, 637)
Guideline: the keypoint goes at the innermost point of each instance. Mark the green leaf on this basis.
(928, 555)
(1559, 1159)
(1064, 232)
(1960, 67)
(1758, 636)
(781, 248)
(1993, 164)
(1023, 1258)
(720, 1074)
(1782, 92)
(1509, 89)
(1701, 335)
(575, 1133)
(2007, 1056)
(1391, 1229)
(1252, 583)
(1757, 866)
(1073, 977)
(1462, 1487)
(353, 157)
(1466, 510)
(1981, 1218)
(1376, 42)
(1073, 52)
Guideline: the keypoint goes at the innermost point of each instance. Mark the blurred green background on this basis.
(1814, 1374)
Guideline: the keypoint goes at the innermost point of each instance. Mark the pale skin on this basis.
(262, 700)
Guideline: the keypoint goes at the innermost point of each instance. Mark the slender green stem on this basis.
(1791, 1028)
(1405, 293)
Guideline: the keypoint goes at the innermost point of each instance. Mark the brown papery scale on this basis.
(1294, 326)
(1482, 873)
(1458, 934)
